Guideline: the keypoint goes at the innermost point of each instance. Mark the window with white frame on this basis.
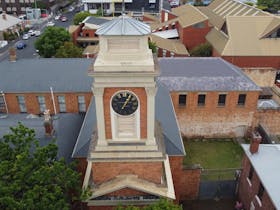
(21, 103)
(163, 53)
(61, 103)
(42, 103)
(172, 54)
(81, 104)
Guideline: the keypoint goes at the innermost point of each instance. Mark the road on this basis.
(30, 51)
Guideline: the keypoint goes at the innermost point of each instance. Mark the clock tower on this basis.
(127, 160)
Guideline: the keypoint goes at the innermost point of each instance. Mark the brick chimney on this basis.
(48, 123)
(255, 142)
(4, 15)
(13, 54)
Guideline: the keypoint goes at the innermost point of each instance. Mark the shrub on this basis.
(202, 50)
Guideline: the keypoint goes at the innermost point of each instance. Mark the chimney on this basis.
(4, 15)
(48, 123)
(255, 142)
(13, 55)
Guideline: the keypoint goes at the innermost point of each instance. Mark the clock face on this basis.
(124, 103)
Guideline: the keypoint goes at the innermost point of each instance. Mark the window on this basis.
(251, 172)
(21, 103)
(201, 100)
(42, 104)
(163, 53)
(199, 25)
(261, 191)
(172, 54)
(173, 26)
(182, 99)
(241, 99)
(61, 103)
(222, 100)
(2, 104)
(166, 27)
(81, 104)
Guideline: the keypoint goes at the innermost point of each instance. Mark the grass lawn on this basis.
(212, 154)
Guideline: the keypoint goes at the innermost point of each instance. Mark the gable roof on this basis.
(95, 20)
(9, 22)
(188, 15)
(245, 37)
(203, 74)
(170, 44)
(66, 126)
(266, 164)
(218, 10)
(38, 75)
(123, 25)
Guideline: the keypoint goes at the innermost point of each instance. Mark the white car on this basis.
(25, 36)
(37, 33)
(50, 23)
(71, 8)
(57, 17)
(3, 43)
(31, 32)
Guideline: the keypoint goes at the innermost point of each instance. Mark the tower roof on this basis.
(123, 25)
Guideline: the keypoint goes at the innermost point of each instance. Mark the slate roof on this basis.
(67, 127)
(164, 114)
(203, 74)
(37, 75)
(267, 167)
(123, 25)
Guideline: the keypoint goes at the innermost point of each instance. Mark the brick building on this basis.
(197, 96)
(259, 180)
(242, 34)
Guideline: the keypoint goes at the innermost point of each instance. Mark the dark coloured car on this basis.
(20, 45)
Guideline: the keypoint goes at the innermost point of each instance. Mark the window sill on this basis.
(249, 182)
(258, 200)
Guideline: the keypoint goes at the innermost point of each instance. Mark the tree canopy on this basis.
(79, 17)
(269, 5)
(31, 177)
(69, 50)
(202, 50)
(51, 40)
(162, 204)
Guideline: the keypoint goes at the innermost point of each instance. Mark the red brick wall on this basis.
(191, 37)
(150, 171)
(141, 94)
(32, 106)
(89, 32)
(251, 61)
(212, 120)
(126, 192)
(246, 193)
(186, 181)
(76, 33)
(170, 15)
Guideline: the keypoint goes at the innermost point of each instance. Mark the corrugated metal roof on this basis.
(8, 22)
(203, 74)
(123, 25)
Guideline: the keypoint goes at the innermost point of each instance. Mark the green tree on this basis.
(152, 46)
(202, 50)
(51, 40)
(31, 177)
(69, 50)
(162, 204)
(269, 5)
(79, 17)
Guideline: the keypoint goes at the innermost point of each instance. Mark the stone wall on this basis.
(263, 77)
(270, 120)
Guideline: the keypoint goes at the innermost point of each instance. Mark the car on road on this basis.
(71, 9)
(20, 45)
(31, 32)
(50, 23)
(25, 36)
(63, 18)
(57, 17)
(3, 43)
(37, 33)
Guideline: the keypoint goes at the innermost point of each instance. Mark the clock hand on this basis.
(126, 101)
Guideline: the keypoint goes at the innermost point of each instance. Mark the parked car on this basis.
(25, 36)
(71, 9)
(37, 33)
(3, 43)
(50, 23)
(31, 32)
(63, 18)
(57, 17)
(20, 45)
